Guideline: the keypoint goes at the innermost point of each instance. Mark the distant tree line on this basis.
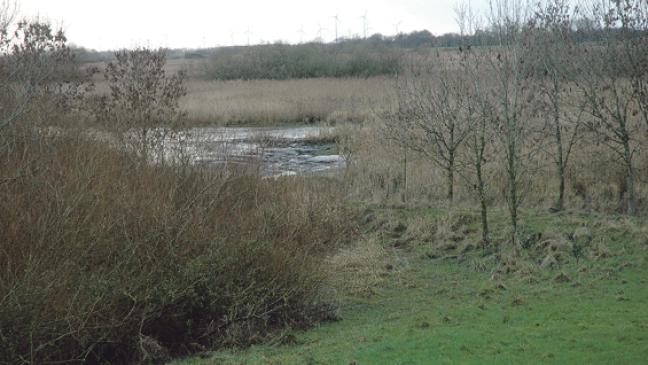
(349, 57)
(283, 61)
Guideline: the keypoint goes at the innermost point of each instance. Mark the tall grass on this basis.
(108, 260)
(267, 102)
(272, 102)
(595, 179)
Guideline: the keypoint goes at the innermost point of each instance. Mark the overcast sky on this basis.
(111, 24)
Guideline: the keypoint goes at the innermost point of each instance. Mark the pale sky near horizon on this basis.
(112, 24)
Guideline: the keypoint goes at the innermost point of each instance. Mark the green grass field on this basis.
(457, 308)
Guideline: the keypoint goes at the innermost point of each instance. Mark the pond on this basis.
(274, 151)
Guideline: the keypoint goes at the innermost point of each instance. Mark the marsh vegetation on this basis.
(445, 190)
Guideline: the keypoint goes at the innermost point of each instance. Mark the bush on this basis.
(38, 74)
(106, 261)
(143, 102)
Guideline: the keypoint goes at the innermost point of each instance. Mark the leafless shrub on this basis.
(38, 72)
(610, 79)
(513, 91)
(143, 104)
(550, 32)
(429, 117)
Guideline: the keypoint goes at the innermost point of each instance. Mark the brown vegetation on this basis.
(108, 259)
(273, 102)
(107, 256)
(525, 102)
(99, 253)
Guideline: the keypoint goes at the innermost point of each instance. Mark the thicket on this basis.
(105, 258)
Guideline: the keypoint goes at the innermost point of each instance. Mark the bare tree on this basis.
(549, 30)
(143, 103)
(608, 79)
(430, 101)
(477, 112)
(480, 114)
(512, 92)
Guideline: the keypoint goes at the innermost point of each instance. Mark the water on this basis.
(276, 151)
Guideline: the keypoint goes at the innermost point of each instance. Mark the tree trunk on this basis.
(561, 191)
(450, 174)
(480, 146)
(404, 195)
(513, 210)
(627, 156)
(560, 161)
(512, 193)
(482, 203)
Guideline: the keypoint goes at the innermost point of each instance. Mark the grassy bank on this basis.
(414, 292)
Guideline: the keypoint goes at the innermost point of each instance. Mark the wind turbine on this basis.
(396, 27)
(336, 18)
(248, 33)
(365, 24)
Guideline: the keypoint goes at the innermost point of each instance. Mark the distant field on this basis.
(262, 102)
(272, 102)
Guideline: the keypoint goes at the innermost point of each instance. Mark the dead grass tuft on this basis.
(599, 250)
(361, 268)
(423, 228)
